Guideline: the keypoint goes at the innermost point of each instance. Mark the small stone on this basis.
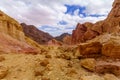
(2, 58)
(48, 56)
(44, 63)
(38, 73)
(70, 65)
(3, 72)
(65, 56)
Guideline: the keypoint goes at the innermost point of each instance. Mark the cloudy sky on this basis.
(56, 16)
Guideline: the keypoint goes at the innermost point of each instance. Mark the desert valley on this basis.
(91, 52)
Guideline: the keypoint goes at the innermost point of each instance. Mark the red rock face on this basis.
(88, 31)
(78, 34)
(82, 33)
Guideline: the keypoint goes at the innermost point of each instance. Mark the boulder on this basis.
(108, 67)
(88, 63)
(3, 72)
(91, 49)
(112, 48)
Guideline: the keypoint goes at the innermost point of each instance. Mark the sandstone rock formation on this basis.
(12, 38)
(62, 36)
(110, 25)
(89, 63)
(110, 77)
(36, 34)
(108, 67)
(67, 40)
(92, 77)
(83, 32)
(3, 72)
(112, 48)
(54, 42)
(78, 34)
(92, 49)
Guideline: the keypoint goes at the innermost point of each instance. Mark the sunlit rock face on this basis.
(111, 24)
(54, 42)
(83, 32)
(9, 26)
(12, 38)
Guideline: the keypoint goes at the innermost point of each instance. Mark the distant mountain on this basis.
(62, 36)
(36, 34)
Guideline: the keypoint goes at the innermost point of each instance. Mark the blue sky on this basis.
(56, 16)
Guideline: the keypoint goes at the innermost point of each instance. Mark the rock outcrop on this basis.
(108, 67)
(103, 45)
(111, 24)
(112, 48)
(12, 38)
(89, 64)
(62, 36)
(54, 42)
(11, 27)
(67, 40)
(83, 32)
(92, 49)
(36, 34)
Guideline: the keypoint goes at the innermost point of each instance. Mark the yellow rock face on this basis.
(10, 26)
(12, 37)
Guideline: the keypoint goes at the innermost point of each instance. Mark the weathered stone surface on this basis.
(9, 26)
(91, 49)
(90, 34)
(112, 48)
(62, 36)
(44, 63)
(67, 40)
(92, 77)
(36, 34)
(111, 24)
(108, 67)
(110, 77)
(3, 72)
(12, 38)
(54, 42)
(78, 34)
(83, 32)
(98, 27)
(88, 64)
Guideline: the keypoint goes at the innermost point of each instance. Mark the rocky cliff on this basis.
(88, 31)
(83, 32)
(36, 34)
(12, 38)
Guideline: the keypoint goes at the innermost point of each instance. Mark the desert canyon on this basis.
(92, 52)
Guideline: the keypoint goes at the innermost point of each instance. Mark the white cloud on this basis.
(50, 12)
